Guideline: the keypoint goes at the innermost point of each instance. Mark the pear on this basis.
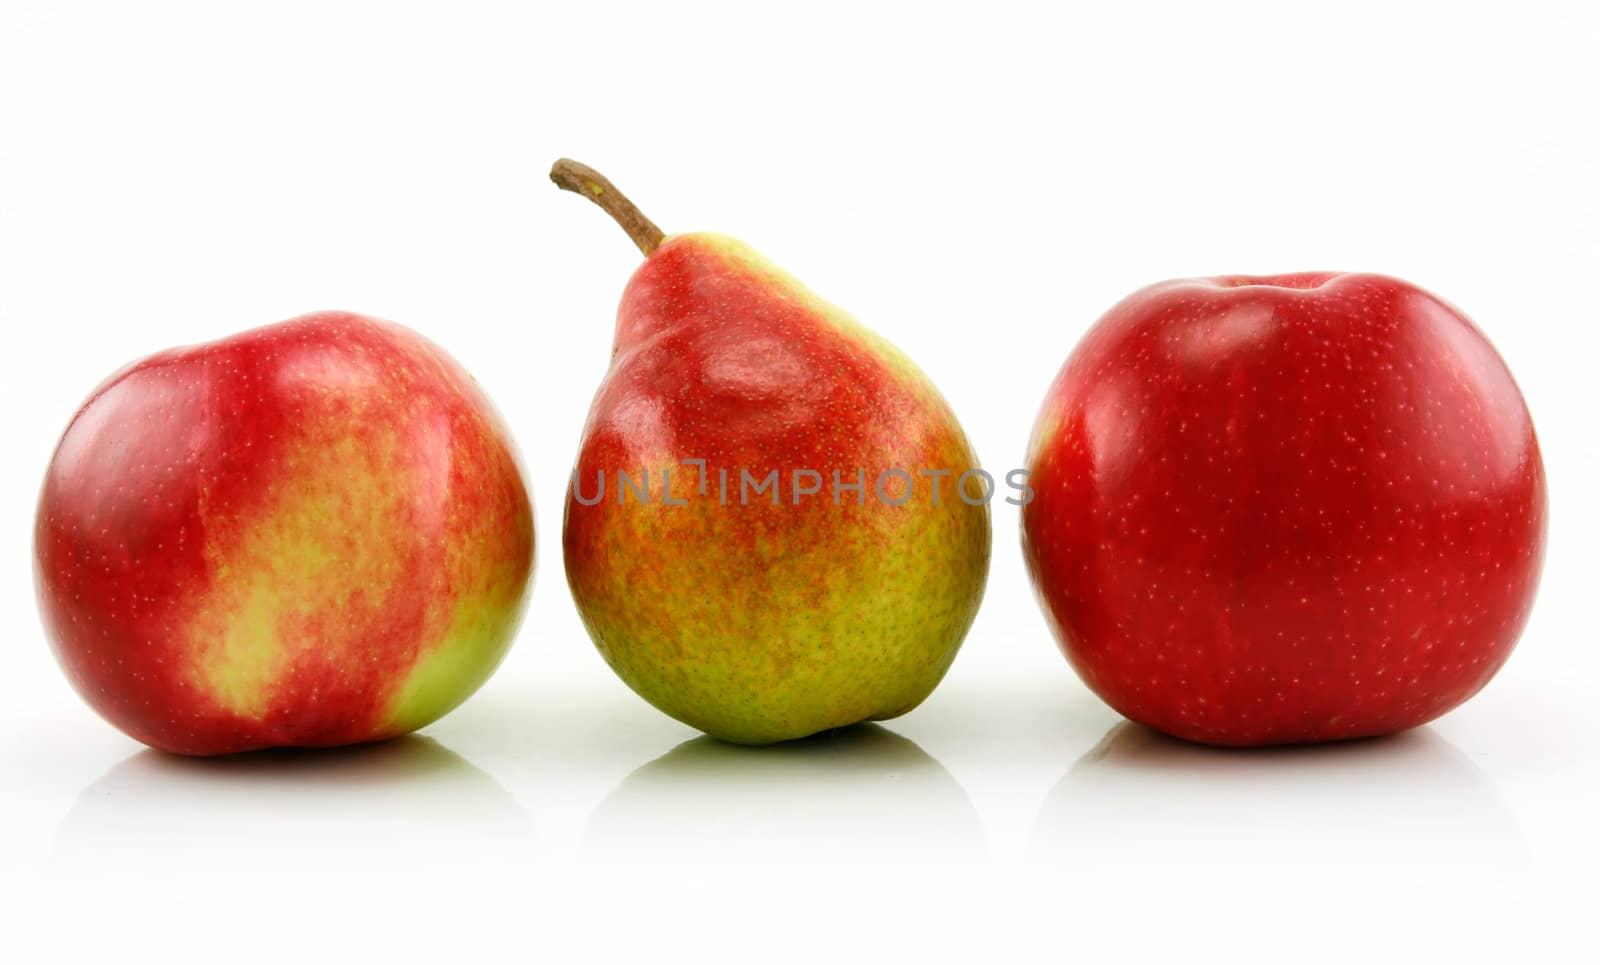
(775, 526)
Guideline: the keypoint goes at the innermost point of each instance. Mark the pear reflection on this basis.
(863, 790)
(1407, 802)
(377, 810)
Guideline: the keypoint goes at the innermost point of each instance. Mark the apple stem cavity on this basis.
(582, 179)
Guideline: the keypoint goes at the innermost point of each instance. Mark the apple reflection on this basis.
(863, 790)
(371, 812)
(1409, 803)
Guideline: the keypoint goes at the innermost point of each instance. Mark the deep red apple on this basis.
(312, 533)
(1281, 509)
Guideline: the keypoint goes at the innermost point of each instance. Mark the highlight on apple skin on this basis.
(309, 534)
(764, 619)
(1285, 509)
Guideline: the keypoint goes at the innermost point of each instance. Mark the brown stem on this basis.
(581, 179)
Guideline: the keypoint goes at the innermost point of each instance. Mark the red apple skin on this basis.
(1285, 509)
(309, 534)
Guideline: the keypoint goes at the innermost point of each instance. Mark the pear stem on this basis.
(582, 179)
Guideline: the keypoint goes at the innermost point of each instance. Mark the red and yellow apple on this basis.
(309, 534)
(1283, 509)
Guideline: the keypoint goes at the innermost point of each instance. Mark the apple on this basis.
(309, 534)
(1284, 509)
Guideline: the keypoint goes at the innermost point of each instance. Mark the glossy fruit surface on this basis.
(1282, 509)
(313, 533)
(774, 615)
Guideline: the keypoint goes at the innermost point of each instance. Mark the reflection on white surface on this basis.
(857, 793)
(370, 811)
(1408, 803)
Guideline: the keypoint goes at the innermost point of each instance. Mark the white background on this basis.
(978, 182)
